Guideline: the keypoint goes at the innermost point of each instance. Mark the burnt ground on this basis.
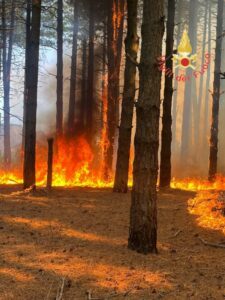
(81, 235)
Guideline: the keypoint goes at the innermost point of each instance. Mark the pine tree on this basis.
(125, 129)
(143, 215)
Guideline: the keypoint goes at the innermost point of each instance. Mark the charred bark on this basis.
(31, 91)
(72, 99)
(143, 215)
(166, 139)
(59, 88)
(115, 35)
(125, 129)
(216, 94)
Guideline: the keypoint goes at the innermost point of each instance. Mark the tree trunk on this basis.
(143, 215)
(90, 80)
(165, 164)
(27, 30)
(216, 94)
(72, 100)
(125, 129)
(115, 35)
(59, 88)
(200, 94)
(31, 102)
(207, 97)
(7, 61)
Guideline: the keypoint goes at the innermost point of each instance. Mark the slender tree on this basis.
(207, 96)
(59, 88)
(200, 94)
(123, 154)
(27, 31)
(31, 96)
(165, 164)
(72, 99)
(114, 47)
(216, 94)
(90, 79)
(143, 215)
(7, 62)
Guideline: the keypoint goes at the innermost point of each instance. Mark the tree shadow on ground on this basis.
(81, 235)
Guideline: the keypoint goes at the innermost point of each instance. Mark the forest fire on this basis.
(198, 184)
(73, 165)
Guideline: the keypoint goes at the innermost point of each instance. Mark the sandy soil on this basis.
(81, 235)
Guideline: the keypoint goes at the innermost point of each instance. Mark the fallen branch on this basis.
(60, 292)
(211, 244)
(176, 234)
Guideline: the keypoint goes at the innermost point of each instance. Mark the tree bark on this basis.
(27, 30)
(31, 91)
(125, 129)
(166, 139)
(216, 94)
(115, 35)
(72, 99)
(59, 88)
(143, 215)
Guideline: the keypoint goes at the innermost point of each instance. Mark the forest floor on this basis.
(77, 239)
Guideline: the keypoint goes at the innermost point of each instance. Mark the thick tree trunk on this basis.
(7, 61)
(216, 94)
(123, 154)
(143, 216)
(59, 88)
(90, 80)
(72, 100)
(165, 164)
(115, 35)
(31, 92)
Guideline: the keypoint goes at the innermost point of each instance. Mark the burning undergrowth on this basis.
(74, 164)
(209, 207)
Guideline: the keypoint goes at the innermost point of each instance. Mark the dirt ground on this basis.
(79, 237)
